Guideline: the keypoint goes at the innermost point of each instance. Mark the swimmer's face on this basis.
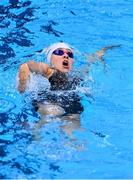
(62, 59)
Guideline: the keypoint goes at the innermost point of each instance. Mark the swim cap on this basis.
(55, 46)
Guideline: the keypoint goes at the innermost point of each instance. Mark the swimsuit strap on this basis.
(49, 72)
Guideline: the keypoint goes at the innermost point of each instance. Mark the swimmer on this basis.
(60, 56)
(59, 63)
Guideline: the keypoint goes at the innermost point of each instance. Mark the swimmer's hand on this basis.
(98, 56)
(101, 52)
(23, 75)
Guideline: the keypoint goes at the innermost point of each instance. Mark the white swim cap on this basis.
(55, 46)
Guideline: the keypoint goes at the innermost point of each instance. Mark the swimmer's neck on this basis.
(64, 71)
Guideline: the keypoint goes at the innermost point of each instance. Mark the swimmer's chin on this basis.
(65, 69)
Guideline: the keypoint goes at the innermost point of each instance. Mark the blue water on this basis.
(103, 146)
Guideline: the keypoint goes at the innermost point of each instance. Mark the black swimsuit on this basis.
(67, 98)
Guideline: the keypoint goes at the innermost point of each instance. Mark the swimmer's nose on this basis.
(65, 56)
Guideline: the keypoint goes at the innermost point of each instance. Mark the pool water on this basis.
(101, 146)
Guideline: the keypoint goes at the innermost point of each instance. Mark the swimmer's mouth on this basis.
(65, 64)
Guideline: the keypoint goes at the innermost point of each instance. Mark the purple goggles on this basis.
(60, 52)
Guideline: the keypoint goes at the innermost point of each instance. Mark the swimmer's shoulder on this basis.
(40, 68)
(50, 72)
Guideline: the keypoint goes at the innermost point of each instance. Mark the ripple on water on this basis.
(6, 105)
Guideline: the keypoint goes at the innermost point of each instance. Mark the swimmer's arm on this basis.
(23, 76)
(98, 56)
(40, 68)
(31, 66)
